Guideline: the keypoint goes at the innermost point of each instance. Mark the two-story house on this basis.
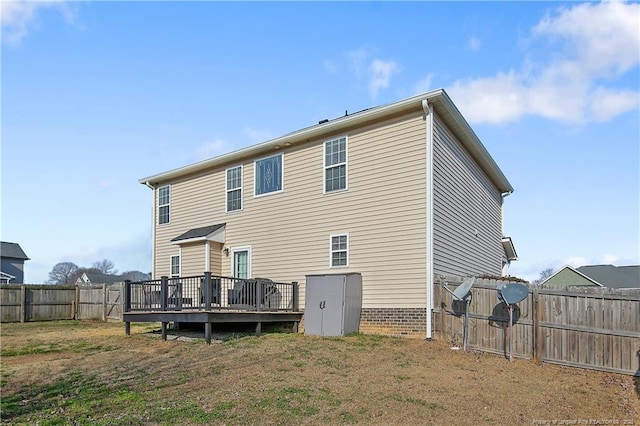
(12, 263)
(398, 193)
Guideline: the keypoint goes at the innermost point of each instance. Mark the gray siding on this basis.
(14, 267)
(467, 211)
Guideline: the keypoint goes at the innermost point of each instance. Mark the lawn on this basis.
(91, 373)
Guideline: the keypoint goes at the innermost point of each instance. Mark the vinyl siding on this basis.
(383, 211)
(465, 201)
(566, 278)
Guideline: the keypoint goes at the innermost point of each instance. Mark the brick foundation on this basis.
(406, 322)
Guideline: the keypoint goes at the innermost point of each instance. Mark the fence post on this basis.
(104, 301)
(164, 292)
(74, 304)
(294, 296)
(534, 314)
(206, 293)
(23, 303)
(541, 312)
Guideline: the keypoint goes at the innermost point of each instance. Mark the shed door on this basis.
(332, 315)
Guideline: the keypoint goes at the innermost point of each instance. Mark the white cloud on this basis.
(608, 259)
(18, 17)
(380, 72)
(600, 42)
(375, 71)
(212, 149)
(576, 261)
(474, 44)
(424, 85)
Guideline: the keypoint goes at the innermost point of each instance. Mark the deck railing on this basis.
(210, 292)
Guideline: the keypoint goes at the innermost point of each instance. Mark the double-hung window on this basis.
(268, 175)
(335, 165)
(164, 199)
(339, 247)
(175, 266)
(234, 189)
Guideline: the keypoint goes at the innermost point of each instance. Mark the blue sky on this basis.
(96, 95)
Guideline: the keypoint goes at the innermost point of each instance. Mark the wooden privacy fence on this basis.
(597, 328)
(32, 302)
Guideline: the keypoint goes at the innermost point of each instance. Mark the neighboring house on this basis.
(12, 259)
(97, 278)
(595, 276)
(398, 193)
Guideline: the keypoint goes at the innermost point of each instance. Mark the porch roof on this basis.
(211, 233)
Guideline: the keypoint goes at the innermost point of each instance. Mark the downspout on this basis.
(428, 112)
(153, 230)
(505, 268)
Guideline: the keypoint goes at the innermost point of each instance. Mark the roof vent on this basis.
(323, 121)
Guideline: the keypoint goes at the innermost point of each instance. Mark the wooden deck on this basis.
(208, 300)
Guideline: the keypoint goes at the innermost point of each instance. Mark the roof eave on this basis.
(444, 106)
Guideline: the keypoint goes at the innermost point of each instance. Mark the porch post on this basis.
(127, 296)
(207, 332)
(294, 296)
(206, 292)
(164, 290)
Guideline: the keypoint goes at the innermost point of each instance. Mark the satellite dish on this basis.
(464, 290)
(511, 294)
(463, 293)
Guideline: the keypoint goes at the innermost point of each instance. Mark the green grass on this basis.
(78, 346)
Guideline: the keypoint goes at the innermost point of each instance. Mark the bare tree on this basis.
(105, 266)
(62, 273)
(546, 273)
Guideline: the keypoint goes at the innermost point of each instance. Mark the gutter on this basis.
(428, 112)
(153, 229)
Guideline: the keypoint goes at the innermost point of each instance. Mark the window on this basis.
(335, 165)
(175, 266)
(241, 261)
(164, 195)
(234, 189)
(268, 172)
(339, 250)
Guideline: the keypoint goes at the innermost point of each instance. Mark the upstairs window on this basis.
(164, 197)
(339, 250)
(268, 175)
(234, 189)
(175, 266)
(335, 165)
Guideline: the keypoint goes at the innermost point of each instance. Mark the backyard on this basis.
(70, 372)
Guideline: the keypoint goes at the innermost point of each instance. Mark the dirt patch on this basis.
(92, 373)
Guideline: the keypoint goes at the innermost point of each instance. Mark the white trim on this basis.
(428, 110)
(179, 256)
(346, 164)
(255, 175)
(227, 190)
(217, 236)
(445, 106)
(232, 251)
(159, 205)
(154, 223)
(331, 251)
(207, 256)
